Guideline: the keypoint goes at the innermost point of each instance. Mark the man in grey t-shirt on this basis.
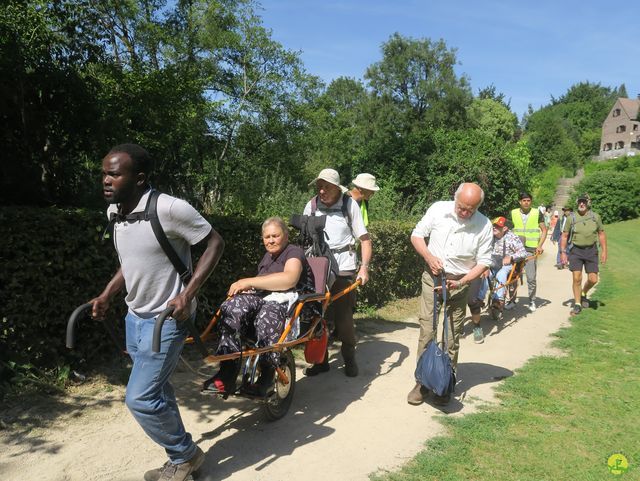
(153, 284)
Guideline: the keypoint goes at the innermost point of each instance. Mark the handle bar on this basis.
(157, 332)
(71, 324)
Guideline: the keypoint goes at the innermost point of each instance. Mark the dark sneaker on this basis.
(317, 369)
(478, 335)
(584, 302)
(441, 400)
(177, 472)
(350, 367)
(576, 309)
(417, 394)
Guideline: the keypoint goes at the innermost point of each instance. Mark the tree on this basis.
(418, 75)
(492, 118)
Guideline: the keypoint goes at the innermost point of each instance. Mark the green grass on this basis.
(545, 184)
(559, 418)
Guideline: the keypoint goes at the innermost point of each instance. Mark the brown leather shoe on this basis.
(177, 472)
(417, 394)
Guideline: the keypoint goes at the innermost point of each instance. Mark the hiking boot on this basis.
(441, 400)
(177, 472)
(478, 336)
(318, 368)
(417, 394)
(575, 310)
(584, 302)
(350, 367)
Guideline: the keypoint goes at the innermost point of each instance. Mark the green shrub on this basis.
(395, 268)
(546, 183)
(53, 260)
(614, 195)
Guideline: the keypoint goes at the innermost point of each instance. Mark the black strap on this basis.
(445, 338)
(344, 209)
(151, 212)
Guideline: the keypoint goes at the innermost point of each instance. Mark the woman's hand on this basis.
(240, 285)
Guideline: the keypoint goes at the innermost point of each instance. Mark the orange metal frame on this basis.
(325, 298)
(515, 274)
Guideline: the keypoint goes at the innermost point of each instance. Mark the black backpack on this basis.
(150, 214)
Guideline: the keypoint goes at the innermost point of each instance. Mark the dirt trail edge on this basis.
(338, 428)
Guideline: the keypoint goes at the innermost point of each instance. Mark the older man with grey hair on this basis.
(454, 239)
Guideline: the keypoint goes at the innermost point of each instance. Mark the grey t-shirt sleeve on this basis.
(184, 221)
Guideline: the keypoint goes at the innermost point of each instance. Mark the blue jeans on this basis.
(500, 275)
(150, 396)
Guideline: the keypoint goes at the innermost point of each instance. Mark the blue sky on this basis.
(529, 50)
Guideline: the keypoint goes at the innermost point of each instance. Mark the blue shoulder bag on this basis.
(434, 370)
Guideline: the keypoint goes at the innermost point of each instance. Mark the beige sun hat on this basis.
(331, 176)
(366, 181)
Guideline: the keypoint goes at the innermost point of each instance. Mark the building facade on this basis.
(621, 130)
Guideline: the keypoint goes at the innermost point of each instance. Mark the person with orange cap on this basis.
(507, 250)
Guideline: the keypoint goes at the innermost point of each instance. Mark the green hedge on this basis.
(614, 188)
(52, 260)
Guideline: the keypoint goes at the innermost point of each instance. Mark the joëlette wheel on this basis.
(278, 403)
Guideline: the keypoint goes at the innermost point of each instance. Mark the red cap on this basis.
(499, 221)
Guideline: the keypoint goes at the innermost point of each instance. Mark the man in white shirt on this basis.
(344, 226)
(454, 239)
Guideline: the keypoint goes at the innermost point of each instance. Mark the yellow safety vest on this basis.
(530, 232)
(364, 210)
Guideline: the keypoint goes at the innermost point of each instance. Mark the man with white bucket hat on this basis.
(344, 227)
(364, 186)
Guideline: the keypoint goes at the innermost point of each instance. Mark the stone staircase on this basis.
(565, 186)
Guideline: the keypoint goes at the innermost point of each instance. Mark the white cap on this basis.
(366, 182)
(331, 176)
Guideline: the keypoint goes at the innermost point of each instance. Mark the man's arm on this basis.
(367, 251)
(563, 247)
(603, 246)
(421, 247)
(103, 301)
(543, 237)
(207, 262)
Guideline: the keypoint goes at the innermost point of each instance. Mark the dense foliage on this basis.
(614, 188)
(53, 260)
(567, 132)
(238, 128)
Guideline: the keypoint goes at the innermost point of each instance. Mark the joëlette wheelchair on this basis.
(309, 311)
(511, 288)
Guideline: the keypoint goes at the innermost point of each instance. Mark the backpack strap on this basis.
(344, 209)
(151, 214)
